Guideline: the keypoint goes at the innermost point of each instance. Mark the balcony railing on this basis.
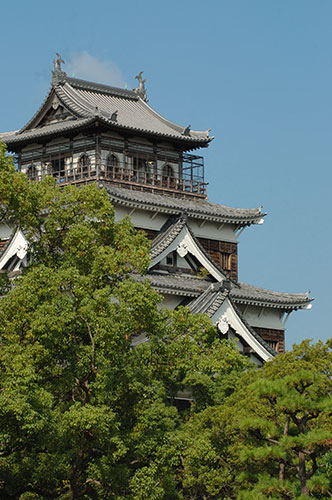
(123, 176)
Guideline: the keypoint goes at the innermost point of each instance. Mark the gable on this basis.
(186, 247)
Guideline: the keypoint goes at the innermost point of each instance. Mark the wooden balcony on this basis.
(132, 179)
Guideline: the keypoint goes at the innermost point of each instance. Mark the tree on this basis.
(83, 414)
(286, 428)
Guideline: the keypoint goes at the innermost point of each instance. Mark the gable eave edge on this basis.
(186, 240)
(227, 313)
(18, 243)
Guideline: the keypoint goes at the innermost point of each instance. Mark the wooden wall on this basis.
(275, 338)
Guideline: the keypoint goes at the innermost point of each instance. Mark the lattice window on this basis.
(83, 166)
(168, 176)
(32, 173)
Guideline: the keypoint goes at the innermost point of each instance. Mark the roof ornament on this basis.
(58, 75)
(223, 325)
(140, 90)
(186, 130)
(182, 249)
(57, 62)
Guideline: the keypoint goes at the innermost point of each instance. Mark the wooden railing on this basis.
(128, 177)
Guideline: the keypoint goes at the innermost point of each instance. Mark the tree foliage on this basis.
(85, 415)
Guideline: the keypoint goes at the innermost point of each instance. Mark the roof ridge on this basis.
(101, 87)
(210, 300)
(163, 240)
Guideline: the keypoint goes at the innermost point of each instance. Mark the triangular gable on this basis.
(179, 238)
(217, 304)
(49, 108)
(227, 316)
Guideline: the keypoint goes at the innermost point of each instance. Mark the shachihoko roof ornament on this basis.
(141, 90)
(121, 109)
(57, 62)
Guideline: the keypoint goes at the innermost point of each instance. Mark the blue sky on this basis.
(258, 73)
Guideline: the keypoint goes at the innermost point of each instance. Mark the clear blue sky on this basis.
(258, 73)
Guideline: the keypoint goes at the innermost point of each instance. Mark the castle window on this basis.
(171, 259)
(112, 165)
(83, 166)
(143, 169)
(32, 173)
(168, 176)
(226, 262)
(58, 169)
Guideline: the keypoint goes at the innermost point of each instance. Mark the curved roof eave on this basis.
(197, 209)
(247, 294)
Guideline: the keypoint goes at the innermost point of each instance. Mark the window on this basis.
(112, 165)
(226, 261)
(58, 169)
(168, 176)
(143, 169)
(83, 166)
(32, 172)
(171, 259)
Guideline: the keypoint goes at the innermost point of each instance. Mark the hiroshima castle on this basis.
(153, 171)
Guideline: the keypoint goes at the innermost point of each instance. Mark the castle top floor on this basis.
(84, 130)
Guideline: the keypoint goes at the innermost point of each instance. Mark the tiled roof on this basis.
(177, 283)
(52, 129)
(164, 239)
(198, 208)
(210, 300)
(242, 293)
(255, 295)
(92, 100)
(132, 112)
(209, 303)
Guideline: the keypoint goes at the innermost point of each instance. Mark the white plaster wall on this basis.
(37, 165)
(180, 262)
(171, 301)
(141, 218)
(231, 336)
(213, 230)
(148, 220)
(5, 231)
(92, 157)
(161, 164)
(268, 318)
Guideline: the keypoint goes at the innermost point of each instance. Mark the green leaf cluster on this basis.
(85, 415)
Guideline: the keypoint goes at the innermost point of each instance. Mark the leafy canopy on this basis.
(83, 414)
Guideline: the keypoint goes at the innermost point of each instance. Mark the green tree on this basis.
(270, 438)
(83, 414)
(287, 428)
